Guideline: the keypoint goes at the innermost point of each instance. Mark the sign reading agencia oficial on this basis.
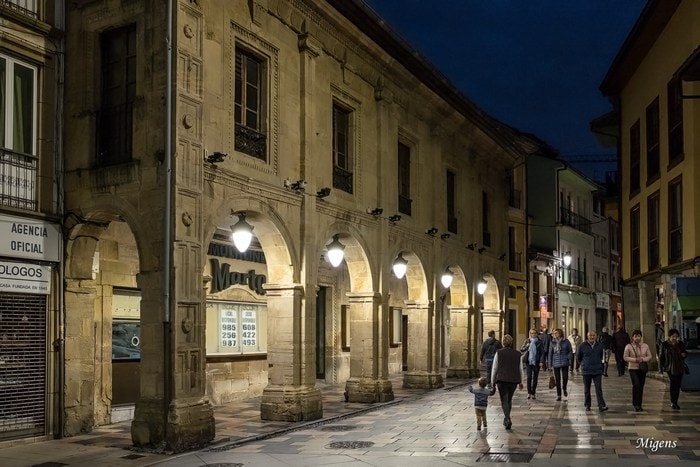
(29, 239)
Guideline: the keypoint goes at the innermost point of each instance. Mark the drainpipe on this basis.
(167, 233)
(60, 342)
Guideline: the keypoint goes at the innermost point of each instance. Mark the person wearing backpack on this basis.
(488, 351)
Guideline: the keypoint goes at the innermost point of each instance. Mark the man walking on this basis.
(620, 341)
(533, 348)
(488, 350)
(607, 341)
(590, 356)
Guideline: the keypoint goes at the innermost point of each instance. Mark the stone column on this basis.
(492, 321)
(291, 394)
(172, 407)
(459, 343)
(368, 380)
(422, 372)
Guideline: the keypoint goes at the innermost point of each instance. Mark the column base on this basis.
(422, 380)
(291, 403)
(190, 424)
(368, 390)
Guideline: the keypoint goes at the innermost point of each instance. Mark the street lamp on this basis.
(400, 266)
(481, 287)
(446, 278)
(241, 233)
(336, 252)
(567, 259)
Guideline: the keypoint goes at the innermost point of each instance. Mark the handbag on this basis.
(686, 370)
(643, 366)
(552, 383)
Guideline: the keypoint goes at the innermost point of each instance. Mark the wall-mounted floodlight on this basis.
(445, 236)
(376, 212)
(432, 231)
(395, 218)
(241, 233)
(336, 252)
(323, 192)
(400, 266)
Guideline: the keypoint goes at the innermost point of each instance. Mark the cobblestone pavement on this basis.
(424, 428)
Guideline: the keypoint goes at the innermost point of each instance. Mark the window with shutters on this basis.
(342, 148)
(404, 177)
(249, 101)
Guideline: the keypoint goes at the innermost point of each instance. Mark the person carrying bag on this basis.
(637, 355)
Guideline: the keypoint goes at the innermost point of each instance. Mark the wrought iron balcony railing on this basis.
(18, 180)
(342, 179)
(26, 7)
(570, 218)
(250, 142)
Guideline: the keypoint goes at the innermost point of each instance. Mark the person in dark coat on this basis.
(558, 361)
(590, 356)
(546, 339)
(620, 341)
(488, 350)
(673, 353)
(507, 374)
(607, 341)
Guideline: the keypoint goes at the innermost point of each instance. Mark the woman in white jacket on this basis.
(636, 353)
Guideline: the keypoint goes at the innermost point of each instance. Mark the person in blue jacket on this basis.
(590, 356)
(558, 361)
(534, 357)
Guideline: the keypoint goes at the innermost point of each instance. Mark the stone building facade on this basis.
(313, 122)
(31, 238)
(653, 84)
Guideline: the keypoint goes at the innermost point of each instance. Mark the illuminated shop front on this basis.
(236, 317)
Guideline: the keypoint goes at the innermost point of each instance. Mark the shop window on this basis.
(236, 328)
(126, 324)
(395, 326)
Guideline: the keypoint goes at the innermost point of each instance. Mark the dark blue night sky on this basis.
(533, 64)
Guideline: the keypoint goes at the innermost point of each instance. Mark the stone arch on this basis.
(283, 261)
(492, 300)
(416, 277)
(361, 274)
(89, 302)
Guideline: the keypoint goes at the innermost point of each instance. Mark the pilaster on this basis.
(422, 372)
(368, 380)
(291, 394)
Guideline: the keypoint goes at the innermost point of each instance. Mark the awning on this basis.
(688, 293)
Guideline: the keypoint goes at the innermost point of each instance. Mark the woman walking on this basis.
(672, 360)
(507, 374)
(559, 359)
(637, 355)
(575, 341)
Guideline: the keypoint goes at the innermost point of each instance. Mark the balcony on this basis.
(18, 180)
(405, 205)
(575, 277)
(26, 7)
(250, 142)
(342, 179)
(570, 218)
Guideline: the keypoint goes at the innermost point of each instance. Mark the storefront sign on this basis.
(602, 300)
(223, 278)
(29, 239)
(25, 278)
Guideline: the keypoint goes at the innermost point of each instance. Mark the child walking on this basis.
(481, 401)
